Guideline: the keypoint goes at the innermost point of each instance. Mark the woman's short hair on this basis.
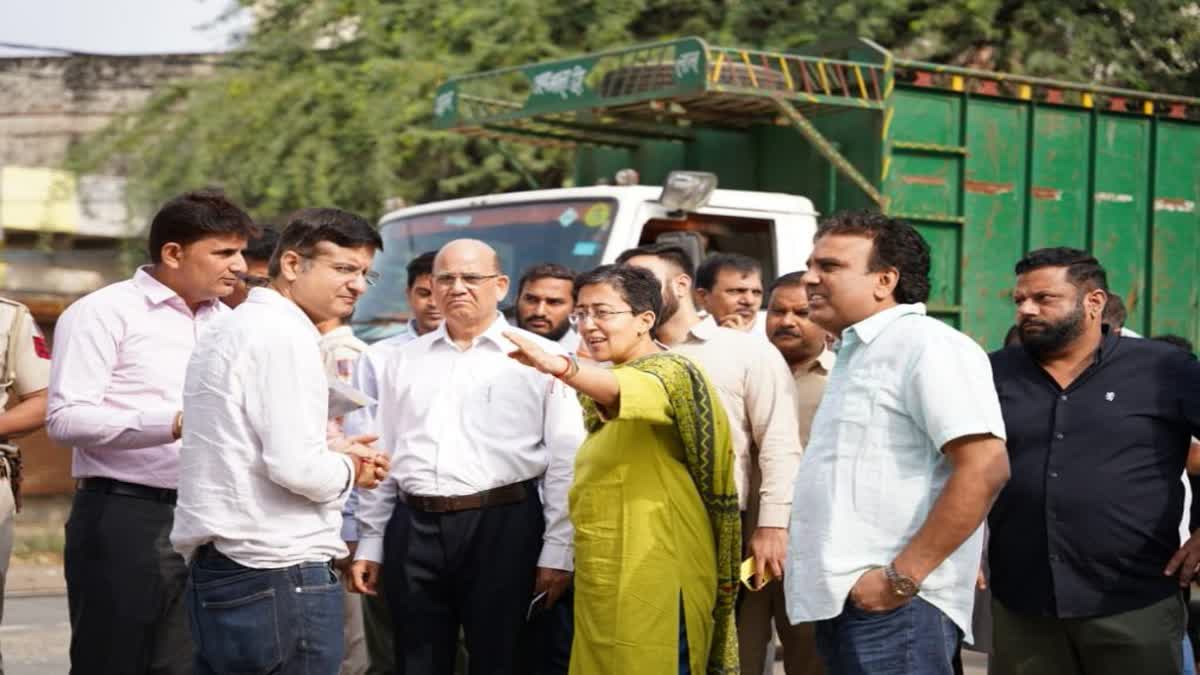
(636, 286)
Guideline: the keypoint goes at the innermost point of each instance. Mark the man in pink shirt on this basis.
(116, 388)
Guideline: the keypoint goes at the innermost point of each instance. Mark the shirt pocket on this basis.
(858, 444)
(503, 413)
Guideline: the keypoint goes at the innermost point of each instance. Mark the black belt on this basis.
(501, 496)
(120, 488)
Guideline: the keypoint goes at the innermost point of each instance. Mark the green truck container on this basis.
(987, 165)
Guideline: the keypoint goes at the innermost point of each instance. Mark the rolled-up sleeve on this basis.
(289, 416)
(86, 350)
(562, 434)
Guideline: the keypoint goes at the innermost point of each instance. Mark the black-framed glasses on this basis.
(447, 280)
(253, 280)
(600, 315)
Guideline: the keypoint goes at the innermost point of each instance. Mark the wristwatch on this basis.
(902, 586)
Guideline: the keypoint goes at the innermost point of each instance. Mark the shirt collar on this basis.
(868, 329)
(822, 363)
(341, 331)
(1108, 341)
(825, 361)
(493, 334)
(155, 291)
(706, 330)
(272, 298)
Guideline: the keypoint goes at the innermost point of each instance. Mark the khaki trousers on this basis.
(355, 660)
(754, 618)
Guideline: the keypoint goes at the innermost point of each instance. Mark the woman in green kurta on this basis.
(657, 528)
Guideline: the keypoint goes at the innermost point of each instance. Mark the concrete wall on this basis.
(63, 234)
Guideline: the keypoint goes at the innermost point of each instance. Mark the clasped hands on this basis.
(370, 465)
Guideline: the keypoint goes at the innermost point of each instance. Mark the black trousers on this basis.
(125, 588)
(471, 569)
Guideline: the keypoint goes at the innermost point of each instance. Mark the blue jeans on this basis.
(286, 621)
(914, 639)
(1189, 659)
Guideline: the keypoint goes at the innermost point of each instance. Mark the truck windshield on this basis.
(570, 232)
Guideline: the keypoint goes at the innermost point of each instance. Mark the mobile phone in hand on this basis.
(536, 606)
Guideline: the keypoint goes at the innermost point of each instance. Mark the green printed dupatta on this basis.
(704, 428)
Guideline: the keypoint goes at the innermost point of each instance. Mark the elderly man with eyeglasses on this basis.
(458, 530)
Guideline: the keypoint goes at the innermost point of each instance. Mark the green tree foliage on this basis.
(329, 101)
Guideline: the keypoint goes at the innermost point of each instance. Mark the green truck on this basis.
(986, 165)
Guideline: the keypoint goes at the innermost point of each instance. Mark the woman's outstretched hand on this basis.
(529, 354)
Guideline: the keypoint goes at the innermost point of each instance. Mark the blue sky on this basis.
(118, 26)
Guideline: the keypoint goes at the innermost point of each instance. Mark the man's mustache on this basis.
(788, 332)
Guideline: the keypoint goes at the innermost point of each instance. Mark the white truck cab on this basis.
(581, 228)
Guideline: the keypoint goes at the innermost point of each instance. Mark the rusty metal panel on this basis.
(1174, 305)
(994, 194)
(1058, 191)
(945, 240)
(926, 117)
(1121, 206)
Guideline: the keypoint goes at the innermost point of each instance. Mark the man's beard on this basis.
(670, 305)
(555, 333)
(1053, 337)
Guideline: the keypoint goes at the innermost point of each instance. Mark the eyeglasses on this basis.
(370, 277)
(469, 280)
(599, 315)
(253, 280)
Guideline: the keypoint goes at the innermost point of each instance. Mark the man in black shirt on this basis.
(1086, 562)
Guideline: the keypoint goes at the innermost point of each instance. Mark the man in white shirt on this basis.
(115, 394)
(729, 287)
(258, 516)
(905, 457)
(545, 300)
(426, 317)
(468, 541)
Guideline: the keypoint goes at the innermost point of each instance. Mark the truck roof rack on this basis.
(661, 90)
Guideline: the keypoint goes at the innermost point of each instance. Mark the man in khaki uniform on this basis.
(24, 371)
(802, 344)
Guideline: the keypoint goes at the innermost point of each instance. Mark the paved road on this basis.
(35, 637)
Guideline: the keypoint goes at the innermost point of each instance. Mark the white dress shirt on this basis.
(903, 386)
(458, 422)
(262, 484)
(366, 378)
(116, 379)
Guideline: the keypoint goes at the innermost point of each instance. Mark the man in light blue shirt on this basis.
(905, 457)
